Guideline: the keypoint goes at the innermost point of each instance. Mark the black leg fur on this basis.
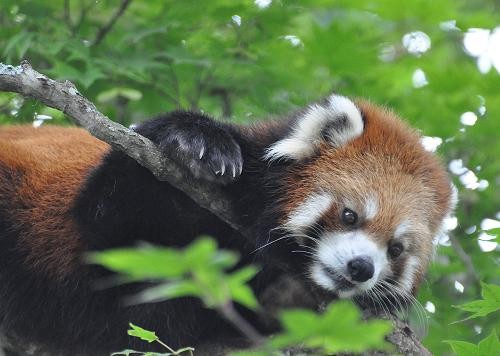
(206, 147)
(121, 204)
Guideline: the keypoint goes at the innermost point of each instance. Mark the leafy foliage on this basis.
(160, 55)
(150, 337)
(489, 346)
(489, 304)
(142, 334)
(199, 270)
(338, 329)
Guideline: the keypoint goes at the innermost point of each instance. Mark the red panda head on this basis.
(366, 193)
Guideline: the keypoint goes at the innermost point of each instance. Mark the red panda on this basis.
(344, 183)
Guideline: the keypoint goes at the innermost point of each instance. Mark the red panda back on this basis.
(41, 171)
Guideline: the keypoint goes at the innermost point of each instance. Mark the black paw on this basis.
(204, 146)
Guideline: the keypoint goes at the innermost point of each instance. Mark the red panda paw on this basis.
(216, 157)
(204, 146)
(209, 152)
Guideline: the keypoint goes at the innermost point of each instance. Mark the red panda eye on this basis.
(395, 249)
(349, 217)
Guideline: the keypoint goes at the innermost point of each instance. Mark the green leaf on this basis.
(336, 330)
(18, 45)
(111, 94)
(141, 333)
(489, 346)
(462, 348)
(166, 291)
(92, 74)
(489, 304)
(142, 263)
(199, 270)
(63, 70)
(240, 291)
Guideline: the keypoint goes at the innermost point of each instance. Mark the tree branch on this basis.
(64, 96)
(67, 16)
(472, 274)
(103, 31)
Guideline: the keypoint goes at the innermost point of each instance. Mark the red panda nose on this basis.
(360, 268)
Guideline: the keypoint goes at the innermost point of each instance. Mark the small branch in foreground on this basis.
(230, 314)
(64, 96)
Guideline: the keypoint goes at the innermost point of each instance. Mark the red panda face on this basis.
(366, 194)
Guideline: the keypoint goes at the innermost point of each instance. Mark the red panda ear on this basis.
(335, 120)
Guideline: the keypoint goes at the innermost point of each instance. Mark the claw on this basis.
(202, 152)
(223, 169)
(234, 171)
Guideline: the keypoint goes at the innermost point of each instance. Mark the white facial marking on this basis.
(401, 229)
(408, 276)
(309, 211)
(335, 250)
(321, 278)
(339, 121)
(371, 208)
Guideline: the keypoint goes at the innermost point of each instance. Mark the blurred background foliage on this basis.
(436, 63)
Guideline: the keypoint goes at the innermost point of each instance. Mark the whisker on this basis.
(421, 313)
(304, 252)
(270, 243)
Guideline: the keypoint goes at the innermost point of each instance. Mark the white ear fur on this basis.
(338, 121)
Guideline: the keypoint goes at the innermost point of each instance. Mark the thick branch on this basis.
(65, 97)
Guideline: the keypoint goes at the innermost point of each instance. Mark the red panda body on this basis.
(349, 182)
(41, 171)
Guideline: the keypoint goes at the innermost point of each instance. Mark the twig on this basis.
(466, 260)
(230, 314)
(74, 27)
(225, 98)
(83, 14)
(67, 16)
(171, 350)
(200, 87)
(64, 96)
(175, 83)
(103, 31)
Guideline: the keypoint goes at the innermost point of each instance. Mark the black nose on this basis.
(360, 268)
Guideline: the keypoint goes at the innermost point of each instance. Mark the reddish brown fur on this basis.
(41, 171)
(389, 161)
